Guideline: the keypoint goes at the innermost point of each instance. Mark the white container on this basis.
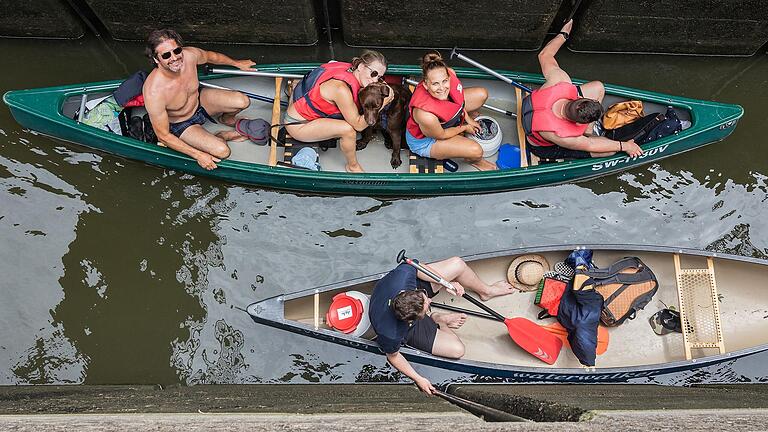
(490, 138)
(364, 328)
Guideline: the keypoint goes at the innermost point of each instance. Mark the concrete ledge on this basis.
(263, 398)
(625, 421)
(580, 402)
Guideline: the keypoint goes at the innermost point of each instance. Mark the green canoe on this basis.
(52, 111)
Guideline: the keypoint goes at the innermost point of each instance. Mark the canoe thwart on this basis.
(699, 309)
(419, 164)
(275, 120)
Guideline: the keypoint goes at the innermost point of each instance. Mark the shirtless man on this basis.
(178, 107)
(399, 309)
(563, 113)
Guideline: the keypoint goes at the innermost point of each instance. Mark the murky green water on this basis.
(117, 272)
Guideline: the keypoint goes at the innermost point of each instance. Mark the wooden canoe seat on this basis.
(282, 139)
(292, 146)
(699, 309)
(526, 157)
(418, 164)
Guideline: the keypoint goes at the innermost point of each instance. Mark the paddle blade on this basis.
(533, 338)
(558, 330)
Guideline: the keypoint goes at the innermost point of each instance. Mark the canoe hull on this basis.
(711, 368)
(38, 109)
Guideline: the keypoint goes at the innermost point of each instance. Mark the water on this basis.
(117, 272)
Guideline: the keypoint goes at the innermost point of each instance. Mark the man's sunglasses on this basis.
(176, 51)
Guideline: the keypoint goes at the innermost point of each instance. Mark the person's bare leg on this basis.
(447, 344)
(199, 138)
(231, 135)
(226, 103)
(474, 98)
(463, 147)
(322, 129)
(593, 90)
(455, 269)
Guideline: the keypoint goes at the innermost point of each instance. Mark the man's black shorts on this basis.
(422, 333)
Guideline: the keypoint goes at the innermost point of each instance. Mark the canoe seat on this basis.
(292, 146)
(422, 165)
(699, 309)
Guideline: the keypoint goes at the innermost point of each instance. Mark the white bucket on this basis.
(364, 328)
(490, 138)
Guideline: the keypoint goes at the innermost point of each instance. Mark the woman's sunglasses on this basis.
(176, 51)
(374, 73)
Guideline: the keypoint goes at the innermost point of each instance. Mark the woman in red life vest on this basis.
(324, 104)
(439, 115)
(563, 113)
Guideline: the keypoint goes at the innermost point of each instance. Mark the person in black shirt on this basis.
(399, 313)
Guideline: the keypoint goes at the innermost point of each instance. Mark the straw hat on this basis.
(526, 271)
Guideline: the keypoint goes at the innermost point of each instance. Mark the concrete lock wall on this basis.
(706, 27)
(725, 27)
(235, 21)
(39, 19)
(505, 24)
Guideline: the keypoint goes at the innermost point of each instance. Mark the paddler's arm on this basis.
(593, 144)
(338, 92)
(159, 118)
(549, 67)
(430, 126)
(218, 58)
(400, 363)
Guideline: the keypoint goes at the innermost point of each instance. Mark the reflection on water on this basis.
(116, 272)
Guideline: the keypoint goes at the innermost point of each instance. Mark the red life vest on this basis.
(450, 112)
(308, 101)
(544, 120)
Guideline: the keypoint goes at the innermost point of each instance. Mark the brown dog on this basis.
(391, 120)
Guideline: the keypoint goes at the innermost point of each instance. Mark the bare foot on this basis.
(227, 119)
(354, 168)
(484, 165)
(453, 320)
(231, 135)
(499, 288)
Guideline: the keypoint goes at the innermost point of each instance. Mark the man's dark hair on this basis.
(156, 37)
(584, 110)
(408, 305)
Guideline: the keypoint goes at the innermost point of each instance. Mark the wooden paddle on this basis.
(524, 332)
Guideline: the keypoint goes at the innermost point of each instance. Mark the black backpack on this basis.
(137, 127)
(648, 128)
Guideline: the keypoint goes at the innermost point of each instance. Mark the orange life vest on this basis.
(450, 112)
(308, 101)
(538, 115)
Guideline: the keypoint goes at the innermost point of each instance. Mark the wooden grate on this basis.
(699, 310)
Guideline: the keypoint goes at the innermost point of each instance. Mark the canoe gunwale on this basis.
(384, 184)
(271, 313)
